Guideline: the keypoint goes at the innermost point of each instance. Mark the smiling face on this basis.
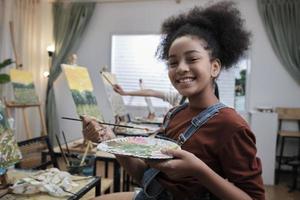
(191, 69)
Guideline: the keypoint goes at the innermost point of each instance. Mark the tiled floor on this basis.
(281, 191)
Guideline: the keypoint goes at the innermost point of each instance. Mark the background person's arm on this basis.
(142, 93)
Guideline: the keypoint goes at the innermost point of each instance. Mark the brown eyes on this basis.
(174, 63)
(192, 60)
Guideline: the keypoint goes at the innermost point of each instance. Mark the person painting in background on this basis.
(173, 98)
(217, 159)
(151, 111)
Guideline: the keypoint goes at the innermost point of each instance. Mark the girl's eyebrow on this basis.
(185, 53)
(192, 51)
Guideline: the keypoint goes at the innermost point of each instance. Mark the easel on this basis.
(12, 105)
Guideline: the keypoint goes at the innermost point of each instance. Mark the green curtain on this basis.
(282, 23)
(70, 22)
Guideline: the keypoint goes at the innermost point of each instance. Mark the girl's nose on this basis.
(182, 66)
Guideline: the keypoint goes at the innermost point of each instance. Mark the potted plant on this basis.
(4, 78)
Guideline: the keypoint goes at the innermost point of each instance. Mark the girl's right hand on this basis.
(94, 131)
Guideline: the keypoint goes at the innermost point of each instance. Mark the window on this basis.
(133, 58)
(240, 84)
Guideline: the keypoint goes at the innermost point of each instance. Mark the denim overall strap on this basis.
(152, 189)
(173, 112)
(199, 120)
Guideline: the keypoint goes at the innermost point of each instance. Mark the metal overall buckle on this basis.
(181, 139)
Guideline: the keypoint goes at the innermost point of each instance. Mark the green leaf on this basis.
(6, 63)
(4, 78)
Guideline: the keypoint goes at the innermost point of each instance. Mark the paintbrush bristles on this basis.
(85, 153)
(106, 78)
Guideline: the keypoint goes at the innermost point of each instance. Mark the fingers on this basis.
(91, 129)
(85, 120)
(94, 131)
(176, 153)
(91, 126)
(160, 165)
(117, 88)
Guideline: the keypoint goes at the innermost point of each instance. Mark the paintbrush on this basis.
(85, 153)
(63, 133)
(107, 79)
(104, 123)
(61, 150)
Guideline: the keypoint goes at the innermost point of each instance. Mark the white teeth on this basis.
(185, 80)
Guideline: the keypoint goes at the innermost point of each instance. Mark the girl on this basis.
(218, 160)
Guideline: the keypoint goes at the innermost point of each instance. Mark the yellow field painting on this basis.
(78, 78)
(21, 76)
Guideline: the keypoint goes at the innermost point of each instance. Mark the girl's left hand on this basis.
(184, 164)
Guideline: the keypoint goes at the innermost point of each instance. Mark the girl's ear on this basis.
(215, 68)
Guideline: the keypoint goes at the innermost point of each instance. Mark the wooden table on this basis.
(85, 184)
(76, 147)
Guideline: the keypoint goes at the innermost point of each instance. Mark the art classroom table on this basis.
(76, 147)
(85, 184)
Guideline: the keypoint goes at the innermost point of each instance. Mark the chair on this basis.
(291, 115)
(35, 151)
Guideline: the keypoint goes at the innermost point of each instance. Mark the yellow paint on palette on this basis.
(78, 78)
(21, 76)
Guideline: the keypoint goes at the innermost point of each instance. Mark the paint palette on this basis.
(140, 147)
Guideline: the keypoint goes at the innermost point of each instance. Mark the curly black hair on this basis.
(220, 25)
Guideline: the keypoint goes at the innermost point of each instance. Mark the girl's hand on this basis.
(184, 164)
(94, 131)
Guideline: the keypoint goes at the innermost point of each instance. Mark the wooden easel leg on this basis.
(7, 110)
(25, 118)
(42, 122)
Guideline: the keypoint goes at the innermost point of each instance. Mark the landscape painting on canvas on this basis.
(23, 87)
(80, 85)
(115, 99)
(9, 150)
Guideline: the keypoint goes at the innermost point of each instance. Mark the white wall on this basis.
(269, 84)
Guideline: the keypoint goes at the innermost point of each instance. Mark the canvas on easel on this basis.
(23, 87)
(115, 99)
(24, 97)
(81, 88)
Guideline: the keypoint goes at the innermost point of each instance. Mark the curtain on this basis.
(32, 23)
(70, 22)
(282, 24)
